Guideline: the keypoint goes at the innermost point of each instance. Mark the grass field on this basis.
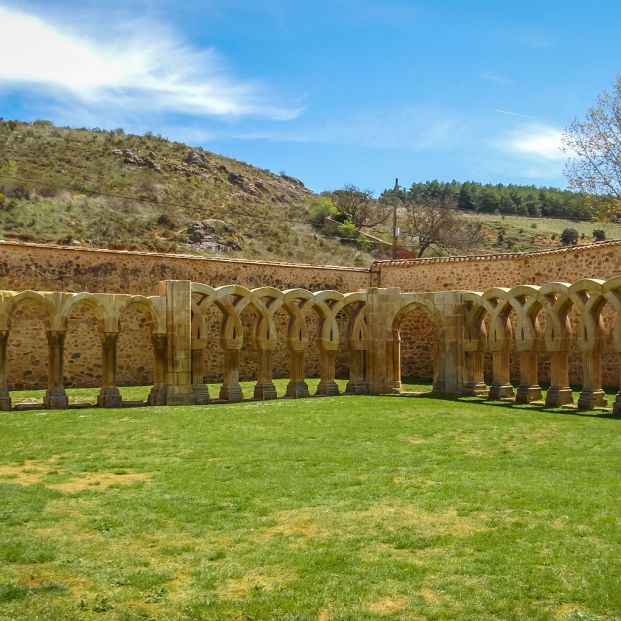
(332, 508)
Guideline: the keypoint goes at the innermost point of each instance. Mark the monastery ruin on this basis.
(85, 317)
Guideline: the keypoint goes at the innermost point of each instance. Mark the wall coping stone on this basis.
(144, 253)
(494, 257)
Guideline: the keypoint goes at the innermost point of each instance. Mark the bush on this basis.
(599, 235)
(569, 237)
(321, 208)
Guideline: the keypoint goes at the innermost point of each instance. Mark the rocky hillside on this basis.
(110, 189)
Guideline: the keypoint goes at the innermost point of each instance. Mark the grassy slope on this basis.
(342, 508)
(94, 160)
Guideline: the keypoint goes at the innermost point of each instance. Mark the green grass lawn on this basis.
(328, 508)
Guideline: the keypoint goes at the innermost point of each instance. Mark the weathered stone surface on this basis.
(212, 235)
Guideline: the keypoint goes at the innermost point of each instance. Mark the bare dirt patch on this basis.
(30, 472)
(267, 580)
(388, 605)
(99, 480)
(431, 597)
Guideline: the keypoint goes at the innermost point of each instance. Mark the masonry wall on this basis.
(39, 267)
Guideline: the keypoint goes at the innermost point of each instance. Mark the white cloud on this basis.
(492, 77)
(534, 140)
(140, 67)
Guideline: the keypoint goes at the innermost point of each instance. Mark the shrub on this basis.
(569, 237)
(599, 235)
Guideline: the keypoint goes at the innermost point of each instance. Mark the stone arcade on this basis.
(529, 319)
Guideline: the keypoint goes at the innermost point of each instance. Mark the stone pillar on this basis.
(297, 387)
(199, 388)
(501, 387)
(529, 389)
(393, 357)
(327, 386)
(230, 389)
(592, 394)
(475, 384)
(559, 392)
(438, 387)
(157, 396)
(357, 384)
(109, 395)
(178, 327)
(55, 396)
(264, 389)
(5, 398)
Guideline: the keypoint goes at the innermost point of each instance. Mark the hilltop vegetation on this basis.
(99, 188)
(111, 189)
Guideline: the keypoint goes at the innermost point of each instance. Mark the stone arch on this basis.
(427, 323)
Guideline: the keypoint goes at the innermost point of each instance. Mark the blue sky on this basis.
(332, 92)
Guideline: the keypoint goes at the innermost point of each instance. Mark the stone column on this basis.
(55, 396)
(230, 389)
(109, 395)
(297, 387)
(616, 407)
(529, 389)
(357, 384)
(327, 386)
(199, 388)
(559, 392)
(438, 387)
(501, 387)
(157, 396)
(592, 394)
(5, 398)
(178, 327)
(393, 358)
(264, 389)
(475, 384)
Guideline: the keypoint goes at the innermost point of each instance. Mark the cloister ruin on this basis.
(530, 320)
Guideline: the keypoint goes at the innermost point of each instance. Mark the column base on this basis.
(179, 395)
(157, 395)
(201, 394)
(264, 391)
(496, 392)
(327, 389)
(616, 406)
(109, 397)
(297, 389)
(5, 400)
(357, 387)
(231, 392)
(526, 394)
(55, 399)
(558, 397)
(592, 399)
(478, 389)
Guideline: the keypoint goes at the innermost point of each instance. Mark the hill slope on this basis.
(109, 189)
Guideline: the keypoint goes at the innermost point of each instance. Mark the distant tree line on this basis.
(522, 200)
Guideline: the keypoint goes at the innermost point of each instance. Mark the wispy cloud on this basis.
(492, 77)
(541, 141)
(141, 66)
(510, 113)
(413, 128)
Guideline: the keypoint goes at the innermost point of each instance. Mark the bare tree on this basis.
(360, 207)
(435, 222)
(594, 147)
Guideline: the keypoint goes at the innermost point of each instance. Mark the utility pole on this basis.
(395, 230)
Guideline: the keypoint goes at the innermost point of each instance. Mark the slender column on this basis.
(439, 381)
(230, 389)
(592, 394)
(559, 392)
(327, 385)
(109, 395)
(199, 388)
(264, 389)
(357, 384)
(55, 396)
(296, 387)
(475, 384)
(157, 396)
(5, 398)
(529, 389)
(501, 386)
(394, 349)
